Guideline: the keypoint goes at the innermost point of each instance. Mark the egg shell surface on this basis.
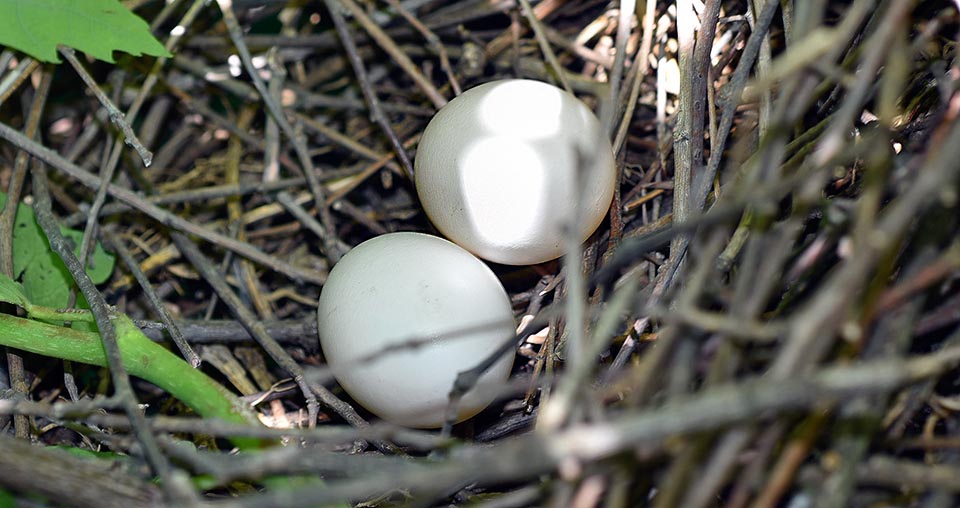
(499, 169)
(401, 315)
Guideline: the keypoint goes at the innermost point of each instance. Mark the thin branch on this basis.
(116, 116)
(15, 370)
(331, 248)
(551, 57)
(171, 220)
(399, 57)
(376, 112)
(158, 307)
(108, 334)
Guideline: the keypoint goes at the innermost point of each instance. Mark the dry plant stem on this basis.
(641, 65)
(376, 112)
(685, 130)
(734, 90)
(539, 453)
(508, 37)
(68, 480)
(624, 20)
(127, 258)
(90, 411)
(634, 248)
(399, 57)
(876, 52)
(16, 77)
(689, 132)
(235, 224)
(259, 332)
(302, 215)
(108, 334)
(545, 45)
(794, 453)
(467, 379)
(752, 289)
(571, 384)
(852, 447)
(111, 159)
(368, 171)
(276, 111)
(132, 199)
(899, 473)
(432, 40)
(122, 121)
(343, 140)
(116, 116)
(197, 195)
(681, 473)
(717, 469)
(246, 317)
(15, 369)
(765, 442)
(809, 340)
(300, 333)
(699, 83)
(290, 460)
(559, 411)
(763, 68)
(810, 336)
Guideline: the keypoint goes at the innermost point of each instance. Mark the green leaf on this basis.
(12, 292)
(46, 281)
(96, 27)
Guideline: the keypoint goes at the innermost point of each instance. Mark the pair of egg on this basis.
(502, 171)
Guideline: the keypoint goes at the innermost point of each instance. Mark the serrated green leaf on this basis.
(45, 279)
(96, 27)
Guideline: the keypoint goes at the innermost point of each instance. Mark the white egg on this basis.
(499, 168)
(401, 315)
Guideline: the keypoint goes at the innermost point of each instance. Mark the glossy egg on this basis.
(401, 315)
(499, 169)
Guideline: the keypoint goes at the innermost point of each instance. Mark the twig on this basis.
(376, 112)
(545, 45)
(811, 330)
(116, 116)
(734, 89)
(108, 334)
(294, 332)
(399, 57)
(432, 40)
(69, 480)
(539, 453)
(624, 20)
(16, 77)
(132, 199)
(331, 248)
(188, 353)
(246, 317)
(15, 370)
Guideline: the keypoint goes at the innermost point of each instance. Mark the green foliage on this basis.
(46, 281)
(96, 27)
(11, 292)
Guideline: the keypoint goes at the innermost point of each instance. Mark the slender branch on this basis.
(376, 112)
(116, 116)
(134, 200)
(108, 334)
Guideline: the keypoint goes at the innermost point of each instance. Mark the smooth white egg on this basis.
(499, 168)
(401, 315)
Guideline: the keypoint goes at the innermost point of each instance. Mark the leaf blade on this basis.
(96, 27)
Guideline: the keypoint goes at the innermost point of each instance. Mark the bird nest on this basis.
(767, 317)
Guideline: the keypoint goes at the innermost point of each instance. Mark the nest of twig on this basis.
(769, 315)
